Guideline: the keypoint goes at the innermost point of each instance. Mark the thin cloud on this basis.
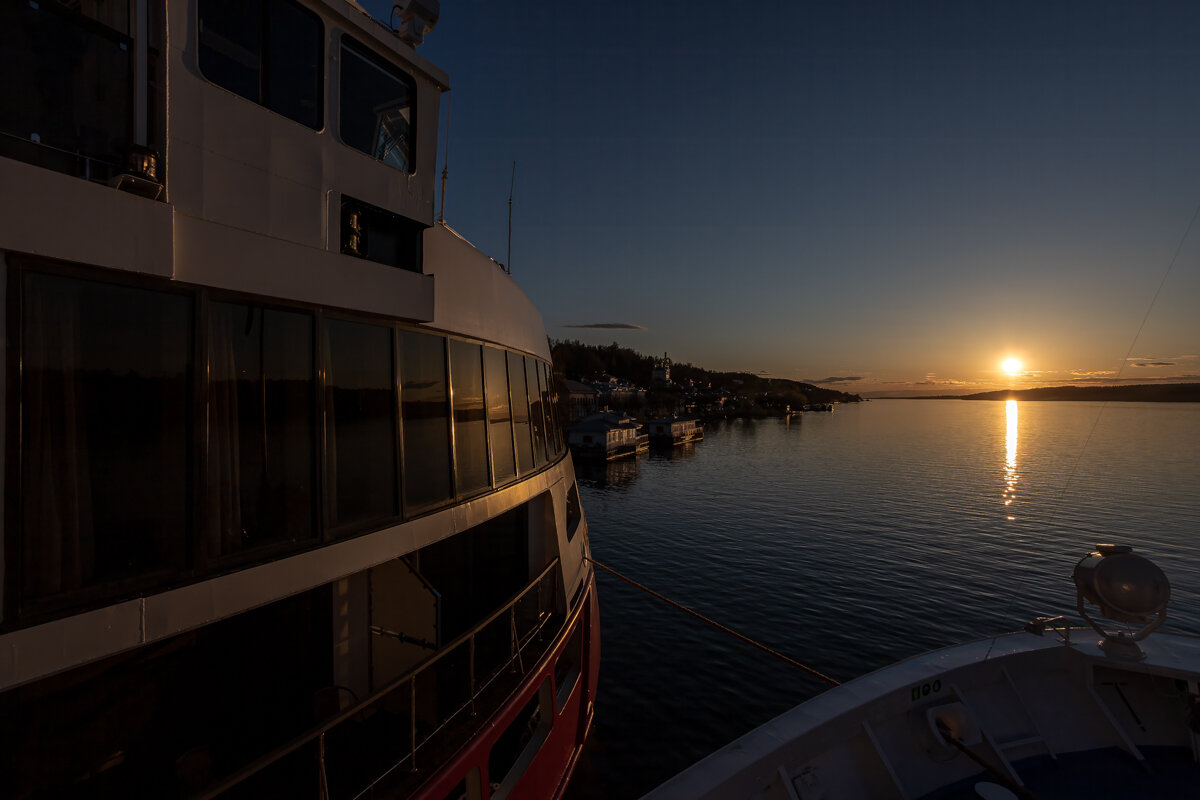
(608, 326)
(836, 379)
(1153, 363)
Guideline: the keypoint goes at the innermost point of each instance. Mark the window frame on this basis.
(372, 56)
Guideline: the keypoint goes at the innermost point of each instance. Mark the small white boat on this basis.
(1048, 713)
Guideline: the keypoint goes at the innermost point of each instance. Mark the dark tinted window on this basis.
(268, 51)
(537, 416)
(499, 414)
(361, 422)
(66, 100)
(377, 104)
(470, 421)
(105, 432)
(426, 415)
(260, 427)
(376, 234)
(522, 434)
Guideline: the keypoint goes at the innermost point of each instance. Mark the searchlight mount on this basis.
(1126, 588)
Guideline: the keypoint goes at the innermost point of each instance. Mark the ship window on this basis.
(500, 433)
(361, 422)
(379, 235)
(553, 429)
(537, 415)
(574, 511)
(566, 669)
(520, 411)
(516, 747)
(377, 104)
(105, 431)
(260, 422)
(470, 422)
(66, 101)
(425, 412)
(268, 51)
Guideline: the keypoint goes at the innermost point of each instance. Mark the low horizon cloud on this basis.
(836, 379)
(608, 326)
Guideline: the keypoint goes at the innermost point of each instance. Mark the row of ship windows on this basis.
(167, 434)
(271, 52)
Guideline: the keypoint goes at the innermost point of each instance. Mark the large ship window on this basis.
(360, 422)
(499, 415)
(268, 51)
(377, 104)
(537, 410)
(105, 431)
(470, 421)
(260, 424)
(425, 412)
(522, 434)
(66, 102)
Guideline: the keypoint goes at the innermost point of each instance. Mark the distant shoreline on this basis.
(1138, 393)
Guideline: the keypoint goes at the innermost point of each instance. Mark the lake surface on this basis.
(853, 539)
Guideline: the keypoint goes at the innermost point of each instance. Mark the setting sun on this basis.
(1012, 366)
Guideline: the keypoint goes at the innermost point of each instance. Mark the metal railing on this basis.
(523, 618)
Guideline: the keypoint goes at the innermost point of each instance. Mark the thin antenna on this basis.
(445, 162)
(511, 184)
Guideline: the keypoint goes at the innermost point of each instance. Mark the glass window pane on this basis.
(470, 423)
(231, 45)
(426, 417)
(499, 414)
(260, 424)
(552, 430)
(66, 99)
(376, 107)
(294, 69)
(361, 422)
(537, 417)
(106, 395)
(522, 433)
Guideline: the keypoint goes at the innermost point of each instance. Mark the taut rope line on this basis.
(716, 624)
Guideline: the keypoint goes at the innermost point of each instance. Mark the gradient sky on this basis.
(902, 194)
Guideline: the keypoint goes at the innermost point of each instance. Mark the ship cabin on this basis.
(287, 508)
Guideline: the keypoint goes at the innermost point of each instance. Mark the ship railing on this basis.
(397, 737)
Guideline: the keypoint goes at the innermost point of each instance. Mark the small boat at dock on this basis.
(671, 431)
(606, 435)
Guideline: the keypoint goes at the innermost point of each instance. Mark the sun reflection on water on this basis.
(1010, 454)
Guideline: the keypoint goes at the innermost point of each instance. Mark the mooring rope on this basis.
(716, 624)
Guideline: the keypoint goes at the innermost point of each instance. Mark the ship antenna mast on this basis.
(445, 163)
(512, 182)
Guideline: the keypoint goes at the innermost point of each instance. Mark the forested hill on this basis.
(1140, 393)
(585, 362)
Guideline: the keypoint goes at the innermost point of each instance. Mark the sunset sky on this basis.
(869, 196)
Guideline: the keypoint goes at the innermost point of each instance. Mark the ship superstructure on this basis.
(288, 510)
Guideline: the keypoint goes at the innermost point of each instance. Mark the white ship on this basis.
(287, 508)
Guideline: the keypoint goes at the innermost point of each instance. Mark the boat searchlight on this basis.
(1127, 588)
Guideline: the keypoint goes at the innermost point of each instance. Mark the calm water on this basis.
(852, 539)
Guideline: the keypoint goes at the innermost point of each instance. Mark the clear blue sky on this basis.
(901, 193)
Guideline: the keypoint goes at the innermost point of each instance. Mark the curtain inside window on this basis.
(57, 493)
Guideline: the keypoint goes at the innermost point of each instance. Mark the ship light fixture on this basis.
(1126, 588)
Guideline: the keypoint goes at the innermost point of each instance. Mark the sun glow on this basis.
(1012, 366)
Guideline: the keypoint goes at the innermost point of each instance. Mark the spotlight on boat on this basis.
(1126, 588)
